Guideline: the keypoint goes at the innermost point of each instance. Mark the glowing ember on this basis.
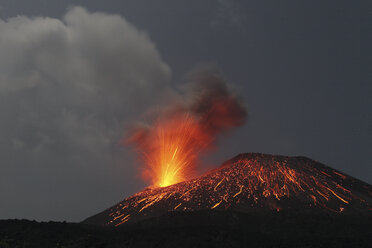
(251, 182)
(171, 149)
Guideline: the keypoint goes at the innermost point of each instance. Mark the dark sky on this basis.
(71, 79)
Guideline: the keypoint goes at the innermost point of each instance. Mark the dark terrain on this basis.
(199, 229)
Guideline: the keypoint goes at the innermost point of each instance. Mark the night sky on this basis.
(75, 74)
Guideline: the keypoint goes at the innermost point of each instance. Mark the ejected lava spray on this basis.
(170, 146)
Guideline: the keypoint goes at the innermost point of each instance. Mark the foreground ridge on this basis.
(249, 182)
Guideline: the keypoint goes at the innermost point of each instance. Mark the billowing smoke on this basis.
(171, 145)
(67, 86)
(217, 106)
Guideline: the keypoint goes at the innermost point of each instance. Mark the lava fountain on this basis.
(170, 146)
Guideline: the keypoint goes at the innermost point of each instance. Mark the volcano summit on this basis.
(249, 183)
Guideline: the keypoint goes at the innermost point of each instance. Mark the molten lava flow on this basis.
(252, 182)
(171, 150)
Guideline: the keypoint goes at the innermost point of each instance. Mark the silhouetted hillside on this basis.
(199, 229)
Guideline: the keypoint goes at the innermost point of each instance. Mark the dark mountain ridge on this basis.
(204, 228)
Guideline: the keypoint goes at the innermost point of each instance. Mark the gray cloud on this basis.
(66, 88)
(229, 13)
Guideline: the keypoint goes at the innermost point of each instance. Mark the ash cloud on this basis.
(215, 102)
(207, 97)
(66, 88)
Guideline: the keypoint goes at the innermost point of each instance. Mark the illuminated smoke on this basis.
(171, 145)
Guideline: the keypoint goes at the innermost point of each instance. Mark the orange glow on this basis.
(171, 148)
(258, 182)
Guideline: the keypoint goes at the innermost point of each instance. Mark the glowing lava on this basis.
(169, 147)
(247, 183)
(171, 150)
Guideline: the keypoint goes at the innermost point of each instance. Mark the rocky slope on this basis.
(249, 183)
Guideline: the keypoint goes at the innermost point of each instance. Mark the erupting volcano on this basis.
(250, 183)
(169, 147)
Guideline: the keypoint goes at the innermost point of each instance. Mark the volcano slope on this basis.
(249, 183)
(252, 200)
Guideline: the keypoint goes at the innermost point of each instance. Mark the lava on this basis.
(250, 182)
(169, 147)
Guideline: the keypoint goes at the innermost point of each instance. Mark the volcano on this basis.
(249, 183)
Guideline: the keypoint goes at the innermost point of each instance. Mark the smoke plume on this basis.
(171, 144)
(66, 87)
